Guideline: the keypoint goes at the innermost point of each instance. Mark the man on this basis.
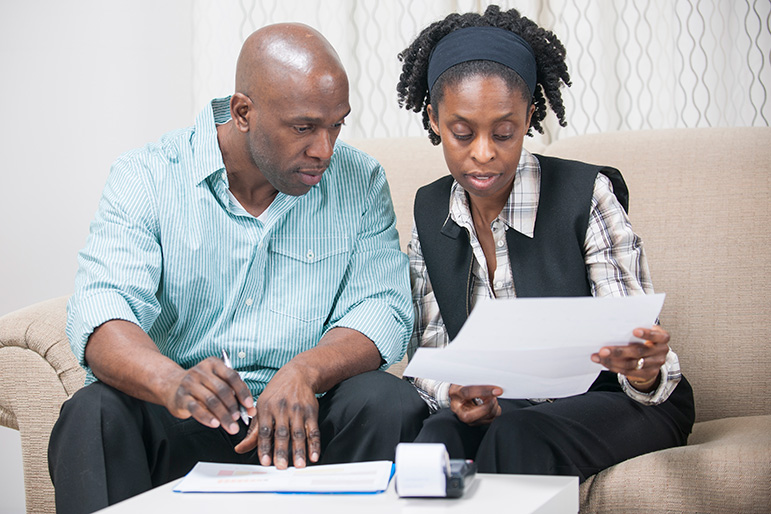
(252, 233)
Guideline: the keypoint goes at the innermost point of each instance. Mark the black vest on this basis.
(549, 264)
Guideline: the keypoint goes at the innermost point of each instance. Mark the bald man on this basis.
(254, 234)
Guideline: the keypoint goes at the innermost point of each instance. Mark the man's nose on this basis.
(323, 146)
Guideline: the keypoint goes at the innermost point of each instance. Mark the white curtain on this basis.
(634, 64)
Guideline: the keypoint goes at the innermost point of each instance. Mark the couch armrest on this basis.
(38, 372)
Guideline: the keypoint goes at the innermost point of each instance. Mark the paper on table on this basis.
(359, 477)
(536, 347)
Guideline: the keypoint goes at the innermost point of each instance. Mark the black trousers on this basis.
(108, 446)
(576, 436)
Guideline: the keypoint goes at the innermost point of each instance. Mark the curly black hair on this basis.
(552, 70)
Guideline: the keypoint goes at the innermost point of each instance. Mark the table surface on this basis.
(514, 493)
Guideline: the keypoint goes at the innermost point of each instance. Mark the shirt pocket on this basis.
(305, 275)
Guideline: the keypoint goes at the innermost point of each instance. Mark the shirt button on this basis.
(224, 175)
(498, 285)
(249, 301)
(500, 243)
(242, 354)
(310, 255)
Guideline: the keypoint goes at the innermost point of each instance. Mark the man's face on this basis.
(294, 126)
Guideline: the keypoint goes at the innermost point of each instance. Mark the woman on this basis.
(507, 223)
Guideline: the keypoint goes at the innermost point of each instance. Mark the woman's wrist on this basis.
(645, 386)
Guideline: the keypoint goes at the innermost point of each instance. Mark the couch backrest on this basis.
(700, 200)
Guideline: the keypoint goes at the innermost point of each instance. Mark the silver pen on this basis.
(244, 416)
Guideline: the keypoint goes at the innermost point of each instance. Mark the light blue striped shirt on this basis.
(170, 251)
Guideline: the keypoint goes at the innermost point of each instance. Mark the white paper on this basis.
(359, 477)
(536, 347)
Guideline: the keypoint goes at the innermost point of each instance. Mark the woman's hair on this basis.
(552, 70)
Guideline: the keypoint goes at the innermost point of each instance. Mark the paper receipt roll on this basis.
(422, 469)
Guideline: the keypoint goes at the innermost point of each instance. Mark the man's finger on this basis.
(298, 437)
(205, 391)
(313, 435)
(281, 445)
(265, 439)
(249, 442)
(237, 387)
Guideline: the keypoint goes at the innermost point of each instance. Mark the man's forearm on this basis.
(340, 354)
(123, 356)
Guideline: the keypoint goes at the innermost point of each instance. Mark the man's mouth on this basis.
(311, 177)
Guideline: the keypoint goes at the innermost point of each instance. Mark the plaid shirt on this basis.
(614, 256)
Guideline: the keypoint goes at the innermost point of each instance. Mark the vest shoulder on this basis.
(440, 184)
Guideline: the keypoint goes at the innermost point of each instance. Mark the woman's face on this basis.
(482, 124)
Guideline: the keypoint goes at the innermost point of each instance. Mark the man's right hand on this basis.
(123, 356)
(210, 392)
(475, 405)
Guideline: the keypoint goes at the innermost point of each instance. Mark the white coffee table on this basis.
(488, 493)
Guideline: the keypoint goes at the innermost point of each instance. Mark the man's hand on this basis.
(639, 362)
(475, 405)
(287, 410)
(210, 392)
(122, 355)
(287, 420)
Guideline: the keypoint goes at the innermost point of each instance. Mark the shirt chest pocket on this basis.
(305, 275)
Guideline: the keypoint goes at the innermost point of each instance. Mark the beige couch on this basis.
(699, 198)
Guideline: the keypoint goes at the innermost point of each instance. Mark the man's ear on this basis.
(240, 106)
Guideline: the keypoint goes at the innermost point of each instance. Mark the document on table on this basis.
(359, 477)
(536, 347)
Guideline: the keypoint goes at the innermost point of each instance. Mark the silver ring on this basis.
(478, 401)
(640, 363)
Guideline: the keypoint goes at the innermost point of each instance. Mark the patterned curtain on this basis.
(634, 64)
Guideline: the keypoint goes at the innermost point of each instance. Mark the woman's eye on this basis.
(502, 137)
(462, 137)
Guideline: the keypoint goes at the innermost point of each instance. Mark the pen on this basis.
(244, 416)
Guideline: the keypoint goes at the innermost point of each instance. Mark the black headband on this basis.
(483, 44)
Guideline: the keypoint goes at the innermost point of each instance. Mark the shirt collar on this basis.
(521, 208)
(206, 148)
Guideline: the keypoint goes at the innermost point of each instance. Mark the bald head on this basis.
(285, 51)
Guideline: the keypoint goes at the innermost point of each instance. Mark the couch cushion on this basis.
(724, 468)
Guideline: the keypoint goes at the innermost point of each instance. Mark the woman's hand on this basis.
(475, 405)
(639, 362)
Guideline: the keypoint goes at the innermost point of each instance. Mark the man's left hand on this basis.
(286, 420)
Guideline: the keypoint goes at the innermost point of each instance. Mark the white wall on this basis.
(80, 82)
(11, 479)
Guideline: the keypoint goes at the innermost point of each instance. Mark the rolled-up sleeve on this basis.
(119, 268)
(375, 297)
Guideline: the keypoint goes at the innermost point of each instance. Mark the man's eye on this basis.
(303, 128)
